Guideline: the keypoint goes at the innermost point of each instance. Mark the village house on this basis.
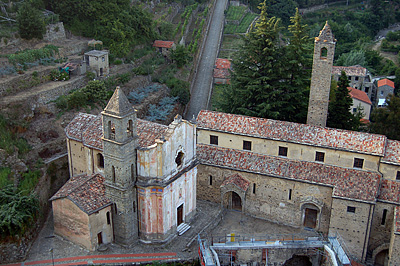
(164, 47)
(97, 61)
(360, 100)
(359, 78)
(385, 87)
(221, 72)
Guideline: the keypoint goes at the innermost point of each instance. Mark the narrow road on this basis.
(201, 84)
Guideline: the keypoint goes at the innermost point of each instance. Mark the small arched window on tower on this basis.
(100, 160)
(129, 129)
(111, 130)
(324, 53)
(113, 174)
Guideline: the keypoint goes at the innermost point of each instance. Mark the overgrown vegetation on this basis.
(9, 139)
(33, 57)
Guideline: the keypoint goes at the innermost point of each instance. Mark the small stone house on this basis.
(360, 98)
(359, 78)
(98, 62)
(221, 72)
(82, 212)
(385, 87)
(164, 47)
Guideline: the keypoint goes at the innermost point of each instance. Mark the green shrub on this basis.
(180, 89)
(118, 62)
(76, 99)
(5, 174)
(90, 75)
(29, 181)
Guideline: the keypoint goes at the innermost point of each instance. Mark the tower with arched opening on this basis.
(324, 49)
(119, 146)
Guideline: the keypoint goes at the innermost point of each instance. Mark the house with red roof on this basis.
(359, 78)
(385, 87)
(221, 72)
(164, 47)
(360, 100)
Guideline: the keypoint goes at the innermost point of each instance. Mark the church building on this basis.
(131, 179)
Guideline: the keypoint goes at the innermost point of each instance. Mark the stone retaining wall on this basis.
(54, 32)
(51, 95)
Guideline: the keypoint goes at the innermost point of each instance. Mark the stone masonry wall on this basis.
(51, 95)
(54, 32)
(380, 230)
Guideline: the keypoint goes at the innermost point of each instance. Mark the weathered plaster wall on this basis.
(71, 222)
(295, 151)
(366, 106)
(389, 171)
(98, 224)
(352, 227)
(271, 198)
(78, 153)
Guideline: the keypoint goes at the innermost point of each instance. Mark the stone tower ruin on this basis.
(119, 146)
(324, 49)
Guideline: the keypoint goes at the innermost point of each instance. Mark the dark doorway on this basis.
(382, 258)
(101, 71)
(99, 238)
(297, 260)
(310, 218)
(236, 202)
(180, 214)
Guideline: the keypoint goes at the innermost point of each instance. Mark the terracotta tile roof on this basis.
(390, 191)
(87, 192)
(238, 181)
(392, 152)
(221, 73)
(383, 82)
(292, 132)
(163, 44)
(397, 219)
(348, 183)
(325, 34)
(350, 70)
(222, 63)
(88, 129)
(359, 95)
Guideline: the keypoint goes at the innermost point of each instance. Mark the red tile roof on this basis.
(87, 192)
(390, 191)
(88, 129)
(292, 132)
(222, 63)
(163, 44)
(347, 183)
(359, 95)
(238, 181)
(221, 73)
(350, 70)
(392, 152)
(383, 82)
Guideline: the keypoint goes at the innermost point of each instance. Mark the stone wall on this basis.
(51, 95)
(54, 32)
(268, 197)
(380, 230)
(394, 251)
(353, 227)
(389, 171)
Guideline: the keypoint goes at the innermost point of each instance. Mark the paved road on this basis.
(201, 85)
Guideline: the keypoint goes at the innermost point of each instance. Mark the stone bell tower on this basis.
(324, 49)
(119, 148)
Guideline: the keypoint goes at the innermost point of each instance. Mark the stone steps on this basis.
(182, 228)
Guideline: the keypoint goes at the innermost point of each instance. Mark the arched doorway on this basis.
(233, 201)
(382, 258)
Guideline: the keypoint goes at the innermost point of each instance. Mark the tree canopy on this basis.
(386, 120)
(270, 80)
(339, 115)
(30, 22)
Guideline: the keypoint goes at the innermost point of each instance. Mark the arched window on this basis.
(129, 130)
(113, 174)
(108, 218)
(111, 130)
(100, 160)
(324, 53)
(132, 172)
(179, 159)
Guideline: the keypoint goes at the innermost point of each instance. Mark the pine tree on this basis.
(298, 69)
(339, 115)
(30, 22)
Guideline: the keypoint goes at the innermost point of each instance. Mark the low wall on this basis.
(54, 32)
(51, 95)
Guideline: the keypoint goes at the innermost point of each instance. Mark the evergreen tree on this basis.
(386, 120)
(30, 22)
(270, 80)
(339, 107)
(298, 67)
